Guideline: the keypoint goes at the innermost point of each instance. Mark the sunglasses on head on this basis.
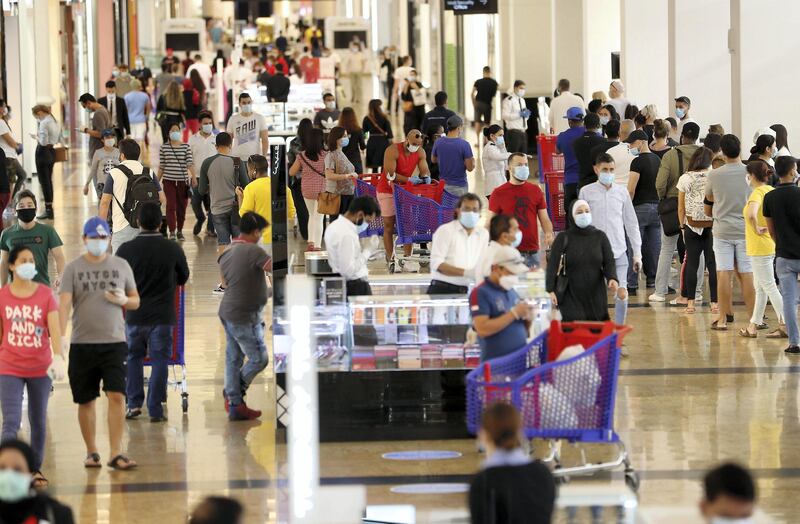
(418, 135)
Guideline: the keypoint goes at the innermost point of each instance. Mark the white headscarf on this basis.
(579, 203)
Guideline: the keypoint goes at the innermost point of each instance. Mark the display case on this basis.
(332, 335)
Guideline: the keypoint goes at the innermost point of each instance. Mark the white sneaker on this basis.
(655, 297)
(411, 266)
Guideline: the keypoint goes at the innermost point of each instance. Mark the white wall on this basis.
(701, 59)
(601, 37)
(569, 52)
(644, 55)
(769, 60)
(526, 39)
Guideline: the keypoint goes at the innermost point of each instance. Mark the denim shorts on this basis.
(226, 225)
(726, 252)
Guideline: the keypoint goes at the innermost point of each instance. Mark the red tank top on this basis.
(406, 164)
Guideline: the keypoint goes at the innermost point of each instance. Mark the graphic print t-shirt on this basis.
(40, 239)
(25, 348)
(246, 133)
(522, 202)
(95, 320)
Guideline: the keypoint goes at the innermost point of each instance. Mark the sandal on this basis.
(690, 310)
(746, 334)
(92, 461)
(39, 481)
(778, 333)
(714, 307)
(121, 463)
(717, 327)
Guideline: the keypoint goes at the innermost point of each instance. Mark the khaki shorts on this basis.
(386, 203)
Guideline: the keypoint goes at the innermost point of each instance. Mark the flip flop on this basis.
(690, 310)
(121, 463)
(39, 481)
(92, 461)
(778, 333)
(746, 334)
(716, 327)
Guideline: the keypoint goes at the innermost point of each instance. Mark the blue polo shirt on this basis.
(564, 144)
(492, 300)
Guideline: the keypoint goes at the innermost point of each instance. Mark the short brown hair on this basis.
(334, 136)
(40, 108)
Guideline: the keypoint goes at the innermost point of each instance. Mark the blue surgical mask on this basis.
(606, 178)
(500, 141)
(246, 108)
(345, 141)
(517, 239)
(208, 128)
(14, 486)
(362, 226)
(97, 246)
(634, 151)
(604, 120)
(175, 135)
(583, 220)
(521, 173)
(25, 271)
(469, 219)
(680, 112)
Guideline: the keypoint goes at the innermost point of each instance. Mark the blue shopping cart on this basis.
(177, 363)
(364, 187)
(559, 400)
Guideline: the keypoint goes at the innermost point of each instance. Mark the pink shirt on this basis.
(25, 348)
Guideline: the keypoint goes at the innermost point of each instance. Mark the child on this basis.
(103, 161)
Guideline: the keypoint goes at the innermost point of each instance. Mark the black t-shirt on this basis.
(646, 164)
(278, 88)
(661, 153)
(782, 205)
(583, 147)
(487, 89)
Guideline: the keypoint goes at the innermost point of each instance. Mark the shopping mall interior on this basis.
(412, 374)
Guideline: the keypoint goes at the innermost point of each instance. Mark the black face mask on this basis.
(26, 215)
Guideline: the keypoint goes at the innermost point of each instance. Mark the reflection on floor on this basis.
(688, 398)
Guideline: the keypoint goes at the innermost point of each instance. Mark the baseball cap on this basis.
(107, 132)
(454, 122)
(509, 258)
(691, 130)
(684, 99)
(636, 136)
(619, 86)
(96, 227)
(574, 113)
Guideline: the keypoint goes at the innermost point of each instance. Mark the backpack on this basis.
(141, 189)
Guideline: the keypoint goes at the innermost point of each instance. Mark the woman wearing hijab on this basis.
(580, 268)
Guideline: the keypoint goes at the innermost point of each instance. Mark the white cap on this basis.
(509, 258)
(764, 131)
(616, 84)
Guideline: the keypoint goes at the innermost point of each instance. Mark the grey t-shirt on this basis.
(219, 179)
(243, 265)
(729, 189)
(95, 320)
(101, 120)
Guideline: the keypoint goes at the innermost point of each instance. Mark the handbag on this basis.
(668, 207)
(418, 95)
(329, 203)
(562, 282)
(60, 153)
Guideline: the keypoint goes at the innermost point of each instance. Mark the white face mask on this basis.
(109, 142)
(521, 92)
(412, 148)
(508, 282)
(330, 105)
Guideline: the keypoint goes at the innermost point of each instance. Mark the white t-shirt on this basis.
(7, 149)
(558, 110)
(202, 148)
(622, 163)
(246, 133)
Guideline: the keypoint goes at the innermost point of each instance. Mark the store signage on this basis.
(421, 455)
(471, 7)
(427, 489)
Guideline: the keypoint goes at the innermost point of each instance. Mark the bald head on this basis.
(626, 127)
(414, 138)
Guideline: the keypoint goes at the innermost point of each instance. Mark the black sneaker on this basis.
(180, 236)
(133, 413)
(792, 350)
(198, 227)
(161, 418)
(670, 291)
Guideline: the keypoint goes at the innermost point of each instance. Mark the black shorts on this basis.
(91, 363)
(483, 112)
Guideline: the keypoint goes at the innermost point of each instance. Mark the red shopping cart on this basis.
(549, 160)
(554, 195)
(559, 400)
(176, 359)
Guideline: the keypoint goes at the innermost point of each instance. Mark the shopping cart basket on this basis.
(571, 400)
(549, 160)
(176, 359)
(416, 220)
(365, 187)
(554, 194)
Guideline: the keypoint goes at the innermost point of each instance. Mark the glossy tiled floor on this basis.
(688, 398)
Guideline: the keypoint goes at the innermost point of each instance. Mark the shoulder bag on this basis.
(561, 274)
(668, 207)
(327, 203)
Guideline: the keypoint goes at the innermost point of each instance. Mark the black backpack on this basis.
(140, 190)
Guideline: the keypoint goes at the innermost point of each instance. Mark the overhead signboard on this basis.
(471, 7)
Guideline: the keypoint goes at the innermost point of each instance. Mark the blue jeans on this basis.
(621, 305)
(532, 259)
(243, 340)
(226, 226)
(11, 389)
(788, 269)
(155, 342)
(650, 229)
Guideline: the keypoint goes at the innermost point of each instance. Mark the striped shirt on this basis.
(175, 161)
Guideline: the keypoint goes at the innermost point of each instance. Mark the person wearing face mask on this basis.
(139, 106)
(98, 285)
(100, 121)
(203, 146)
(613, 213)
(526, 203)
(766, 150)
(340, 174)
(616, 92)
(402, 72)
(621, 153)
(729, 495)
(454, 156)
(400, 163)
(456, 248)
(123, 81)
(500, 318)
(682, 106)
(413, 99)
(642, 188)
(515, 113)
(582, 147)
(345, 254)
(494, 159)
(48, 133)
(141, 72)
(178, 176)
(558, 120)
(249, 130)
(103, 161)
(117, 110)
(439, 115)
(19, 504)
(355, 65)
(41, 239)
(503, 231)
(327, 118)
(257, 196)
(581, 268)
(27, 362)
(564, 142)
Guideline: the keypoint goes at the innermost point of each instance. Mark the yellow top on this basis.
(758, 244)
(258, 198)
